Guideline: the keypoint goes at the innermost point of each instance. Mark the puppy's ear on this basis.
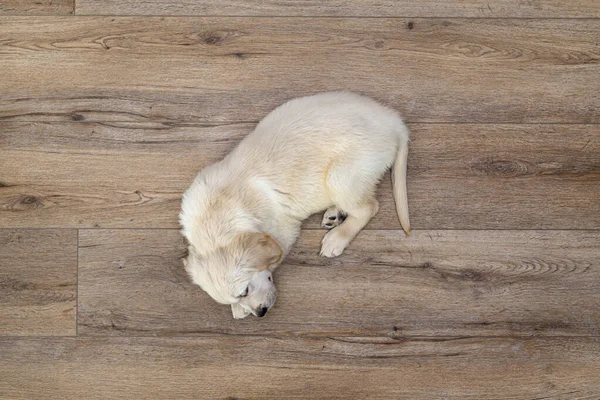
(266, 251)
(238, 311)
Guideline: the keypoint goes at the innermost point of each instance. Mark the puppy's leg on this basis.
(351, 181)
(336, 240)
(333, 217)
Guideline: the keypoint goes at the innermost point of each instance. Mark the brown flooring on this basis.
(108, 108)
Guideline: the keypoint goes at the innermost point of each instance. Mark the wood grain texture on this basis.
(300, 368)
(437, 283)
(38, 277)
(460, 176)
(37, 7)
(342, 8)
(238, 69)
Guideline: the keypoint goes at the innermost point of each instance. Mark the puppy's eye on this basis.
(245, 293)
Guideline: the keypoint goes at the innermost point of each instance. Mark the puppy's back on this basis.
(317, 127)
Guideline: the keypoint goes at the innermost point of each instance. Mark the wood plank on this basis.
(38, 279)
(299, 368)
(460, 176)
(341, 8)
(37, 7)
(437, 283)
(238, 69)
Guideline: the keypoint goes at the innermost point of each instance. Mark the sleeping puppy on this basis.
(242, 215)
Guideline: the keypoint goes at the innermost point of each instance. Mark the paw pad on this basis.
(333, 217)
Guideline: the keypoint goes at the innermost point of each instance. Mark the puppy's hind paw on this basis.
(333, 217)
(333, 244)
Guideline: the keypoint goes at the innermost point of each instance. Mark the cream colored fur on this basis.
(242, 215)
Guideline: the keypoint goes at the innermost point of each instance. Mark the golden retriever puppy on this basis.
(242, 215)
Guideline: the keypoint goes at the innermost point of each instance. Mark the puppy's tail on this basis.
(399, 183)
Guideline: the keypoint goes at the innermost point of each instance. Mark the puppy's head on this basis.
(238, 274)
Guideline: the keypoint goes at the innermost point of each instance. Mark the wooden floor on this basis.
(108, 108)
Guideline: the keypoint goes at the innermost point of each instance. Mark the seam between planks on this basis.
(203, 124)
(307, 16)
(78, 228)
(399, 339)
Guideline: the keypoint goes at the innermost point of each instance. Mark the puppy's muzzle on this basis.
(261, 312)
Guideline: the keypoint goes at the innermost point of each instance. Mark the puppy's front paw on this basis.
(333, 217)
(333, 244)
(239, 312)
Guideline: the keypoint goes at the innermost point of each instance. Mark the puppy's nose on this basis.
(262, 312)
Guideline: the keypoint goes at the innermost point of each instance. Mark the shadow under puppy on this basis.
(242, 215)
